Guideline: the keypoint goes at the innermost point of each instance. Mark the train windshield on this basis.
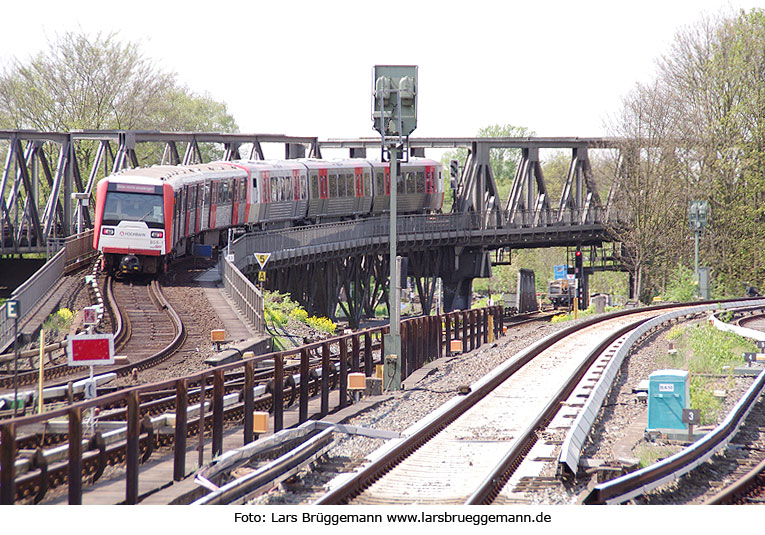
(123, 206)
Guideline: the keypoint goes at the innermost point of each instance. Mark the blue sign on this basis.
(560, 272)
(13, 308)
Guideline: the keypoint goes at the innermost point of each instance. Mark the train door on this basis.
(296, 194)
(187, 210)
(242, 217)
(323, 192)
(358, 182)
(235, 202)
(213, 204)
(265, 182)
(198, 208)
(176, 217)
(205, 207)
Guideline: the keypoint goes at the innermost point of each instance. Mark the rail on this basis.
(576, 437)
(636, 483)
(423, 339)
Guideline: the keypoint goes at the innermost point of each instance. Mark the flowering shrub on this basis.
(322, 324)
(59, 322)
(299, 314)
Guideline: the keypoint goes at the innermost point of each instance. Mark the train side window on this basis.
(367, 184)
(350, 190)
(243, 191)
(410, 180)
(379, 184)
(419, 182)
(401, 181)
(303, 192)
(314, 186)
(333, 186)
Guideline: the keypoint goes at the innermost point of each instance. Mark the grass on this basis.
(710, 356)
(649, 454)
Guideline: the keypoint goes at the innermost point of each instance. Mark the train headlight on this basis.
(107, 231)
(156, 234)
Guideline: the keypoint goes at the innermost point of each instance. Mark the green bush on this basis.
(682, 286)
(712, 349)
(703, 399)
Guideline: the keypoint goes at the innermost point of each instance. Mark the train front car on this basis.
(132, 227)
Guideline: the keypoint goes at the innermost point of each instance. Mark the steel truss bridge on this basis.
(43, 204)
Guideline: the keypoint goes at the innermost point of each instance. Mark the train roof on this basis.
(185, 174)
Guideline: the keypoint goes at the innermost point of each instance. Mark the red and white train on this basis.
(146, 216)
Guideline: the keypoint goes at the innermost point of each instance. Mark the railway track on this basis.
(41, 475)
(463, 453)
(134, 307)
(148, 329)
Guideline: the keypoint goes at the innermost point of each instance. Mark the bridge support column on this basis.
(460, 267)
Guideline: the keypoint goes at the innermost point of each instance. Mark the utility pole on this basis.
(394, 115)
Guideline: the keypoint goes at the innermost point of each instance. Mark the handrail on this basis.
(244, 293)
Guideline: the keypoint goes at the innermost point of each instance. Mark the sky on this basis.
(558, 68)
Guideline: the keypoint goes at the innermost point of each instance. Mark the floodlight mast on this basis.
(394, 119)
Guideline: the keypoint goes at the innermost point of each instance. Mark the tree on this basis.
(503, 161)
(697, 132)
(83, 82)
(98, 82)
(649, 192)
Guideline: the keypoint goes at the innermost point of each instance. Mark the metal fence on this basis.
(245, 295)
(29, 295)
(418, 229)
(75, 250)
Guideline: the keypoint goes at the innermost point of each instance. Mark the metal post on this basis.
(15, 364)
(75, 457)
(7, 463)
(181, 411)
(696, 260)
(393, 297)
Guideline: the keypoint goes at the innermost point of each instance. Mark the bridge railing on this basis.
(30, 294)
(245, 295)
(408, 228)
(76, 249)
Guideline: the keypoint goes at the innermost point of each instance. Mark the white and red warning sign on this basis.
(90, 349)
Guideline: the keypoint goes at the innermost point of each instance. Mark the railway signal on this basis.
(454, 173)
(13, 308)
(578, 264)
(394, 116)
